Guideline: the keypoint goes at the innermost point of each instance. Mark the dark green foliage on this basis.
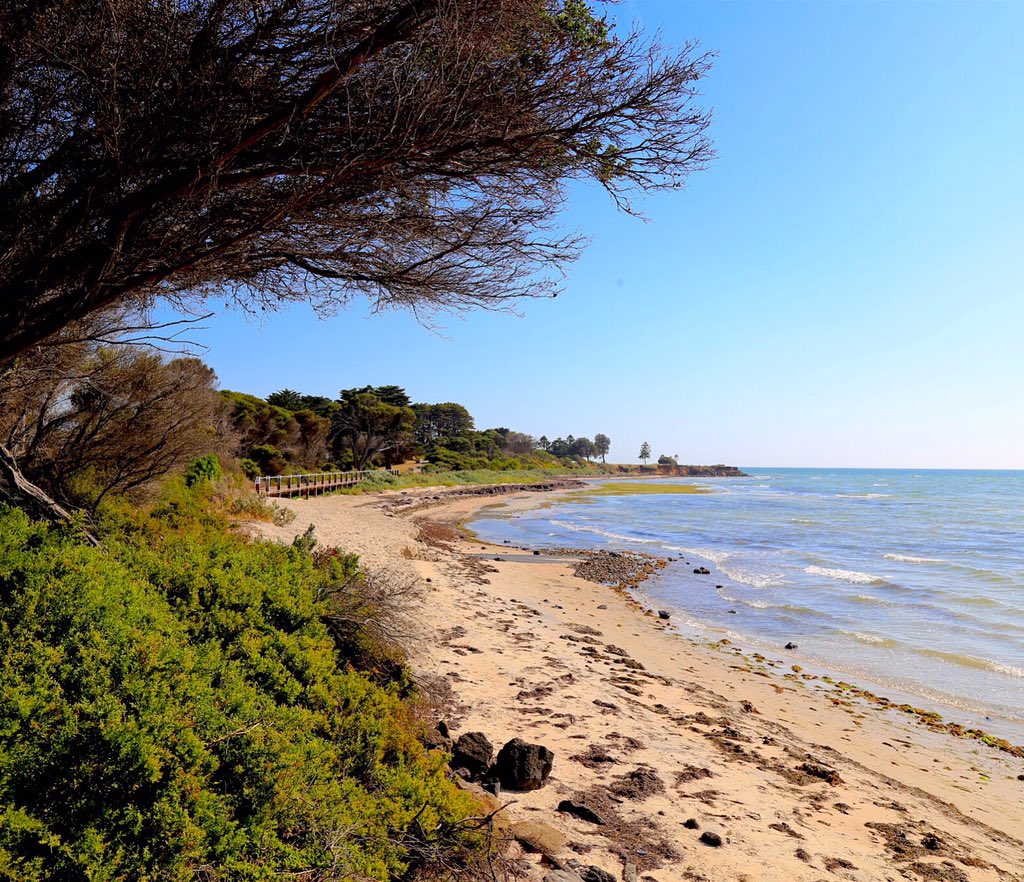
(204, 468)
(289, 399)
(269, 460)
(177, 703)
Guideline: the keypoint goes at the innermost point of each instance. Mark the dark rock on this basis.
(602, 606)
(523, 766)
(584, 813)
(931, 842)
(537, 553)
(664, 614)
(792, 646)
(732, 612)
(474, 752)
(596, 874)
(691, 824)
(702, 571)
(712, 839)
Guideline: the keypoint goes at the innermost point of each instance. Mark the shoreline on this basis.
(948, 711)
(524, 648)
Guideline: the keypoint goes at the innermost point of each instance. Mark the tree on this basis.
(289, 399)
(410, 151)
(445, 420)
(367, 426)
(645, 452)
(582, 447)
(93, 419)
(602, 444)
(665, 459)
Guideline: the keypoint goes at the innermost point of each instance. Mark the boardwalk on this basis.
(314, 484)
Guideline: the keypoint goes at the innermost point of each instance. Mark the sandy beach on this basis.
(702, 761)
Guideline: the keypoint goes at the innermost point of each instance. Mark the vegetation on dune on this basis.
(189, 702)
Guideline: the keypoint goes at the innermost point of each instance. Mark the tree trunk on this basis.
(19, 492)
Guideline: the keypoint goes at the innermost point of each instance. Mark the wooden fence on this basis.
(314, 484)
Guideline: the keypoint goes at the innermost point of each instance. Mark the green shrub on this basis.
(269, 460)
(177, 703)
(204, 468)
(250, 468)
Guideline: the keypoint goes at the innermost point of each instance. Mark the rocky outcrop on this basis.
(472, 752)
(523, 766)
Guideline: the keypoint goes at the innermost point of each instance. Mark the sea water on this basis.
(913, 580)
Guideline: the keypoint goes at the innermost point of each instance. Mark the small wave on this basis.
(910, 558)
(970, 661)
(862, 495)
(597, 531)
(873, 639)
(869, 598)
(844, 575)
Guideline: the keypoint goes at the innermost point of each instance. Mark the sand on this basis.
(667, 738)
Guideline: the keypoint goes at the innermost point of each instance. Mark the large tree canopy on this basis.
(412, 151)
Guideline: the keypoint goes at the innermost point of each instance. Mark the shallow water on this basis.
(912, 580)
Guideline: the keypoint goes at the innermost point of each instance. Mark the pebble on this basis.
(691, 824)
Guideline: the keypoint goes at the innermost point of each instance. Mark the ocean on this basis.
(908, 580)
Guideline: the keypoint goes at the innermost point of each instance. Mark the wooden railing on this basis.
(315, 483)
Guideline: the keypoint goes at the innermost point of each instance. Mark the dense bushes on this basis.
(177, 706)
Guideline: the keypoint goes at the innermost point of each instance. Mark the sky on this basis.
(841, 287)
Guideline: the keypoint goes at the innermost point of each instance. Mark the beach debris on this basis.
(596, 874)
(473, 752)
(578, 810)
(523, 766)
(702, 571)
(664, 614)
(712, 839)
(639, 784)
(829, 776)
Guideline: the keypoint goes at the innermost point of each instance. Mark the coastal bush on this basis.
(203, 468)
(177, 705)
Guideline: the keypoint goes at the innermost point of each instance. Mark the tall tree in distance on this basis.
(366, 426)
(412, 152)
(602, 444)
(289, 399)
(645, 452)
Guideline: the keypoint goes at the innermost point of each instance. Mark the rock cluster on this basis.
(519, 765)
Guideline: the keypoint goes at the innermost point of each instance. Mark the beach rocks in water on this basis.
(584, 813)
(472, 752)
(702, 571)
(664, 614)
(622, 568)
(523, 766)
(792, 646)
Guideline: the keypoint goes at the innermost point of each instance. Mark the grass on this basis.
(388, 481)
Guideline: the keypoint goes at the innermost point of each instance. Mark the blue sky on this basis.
(841, 288)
